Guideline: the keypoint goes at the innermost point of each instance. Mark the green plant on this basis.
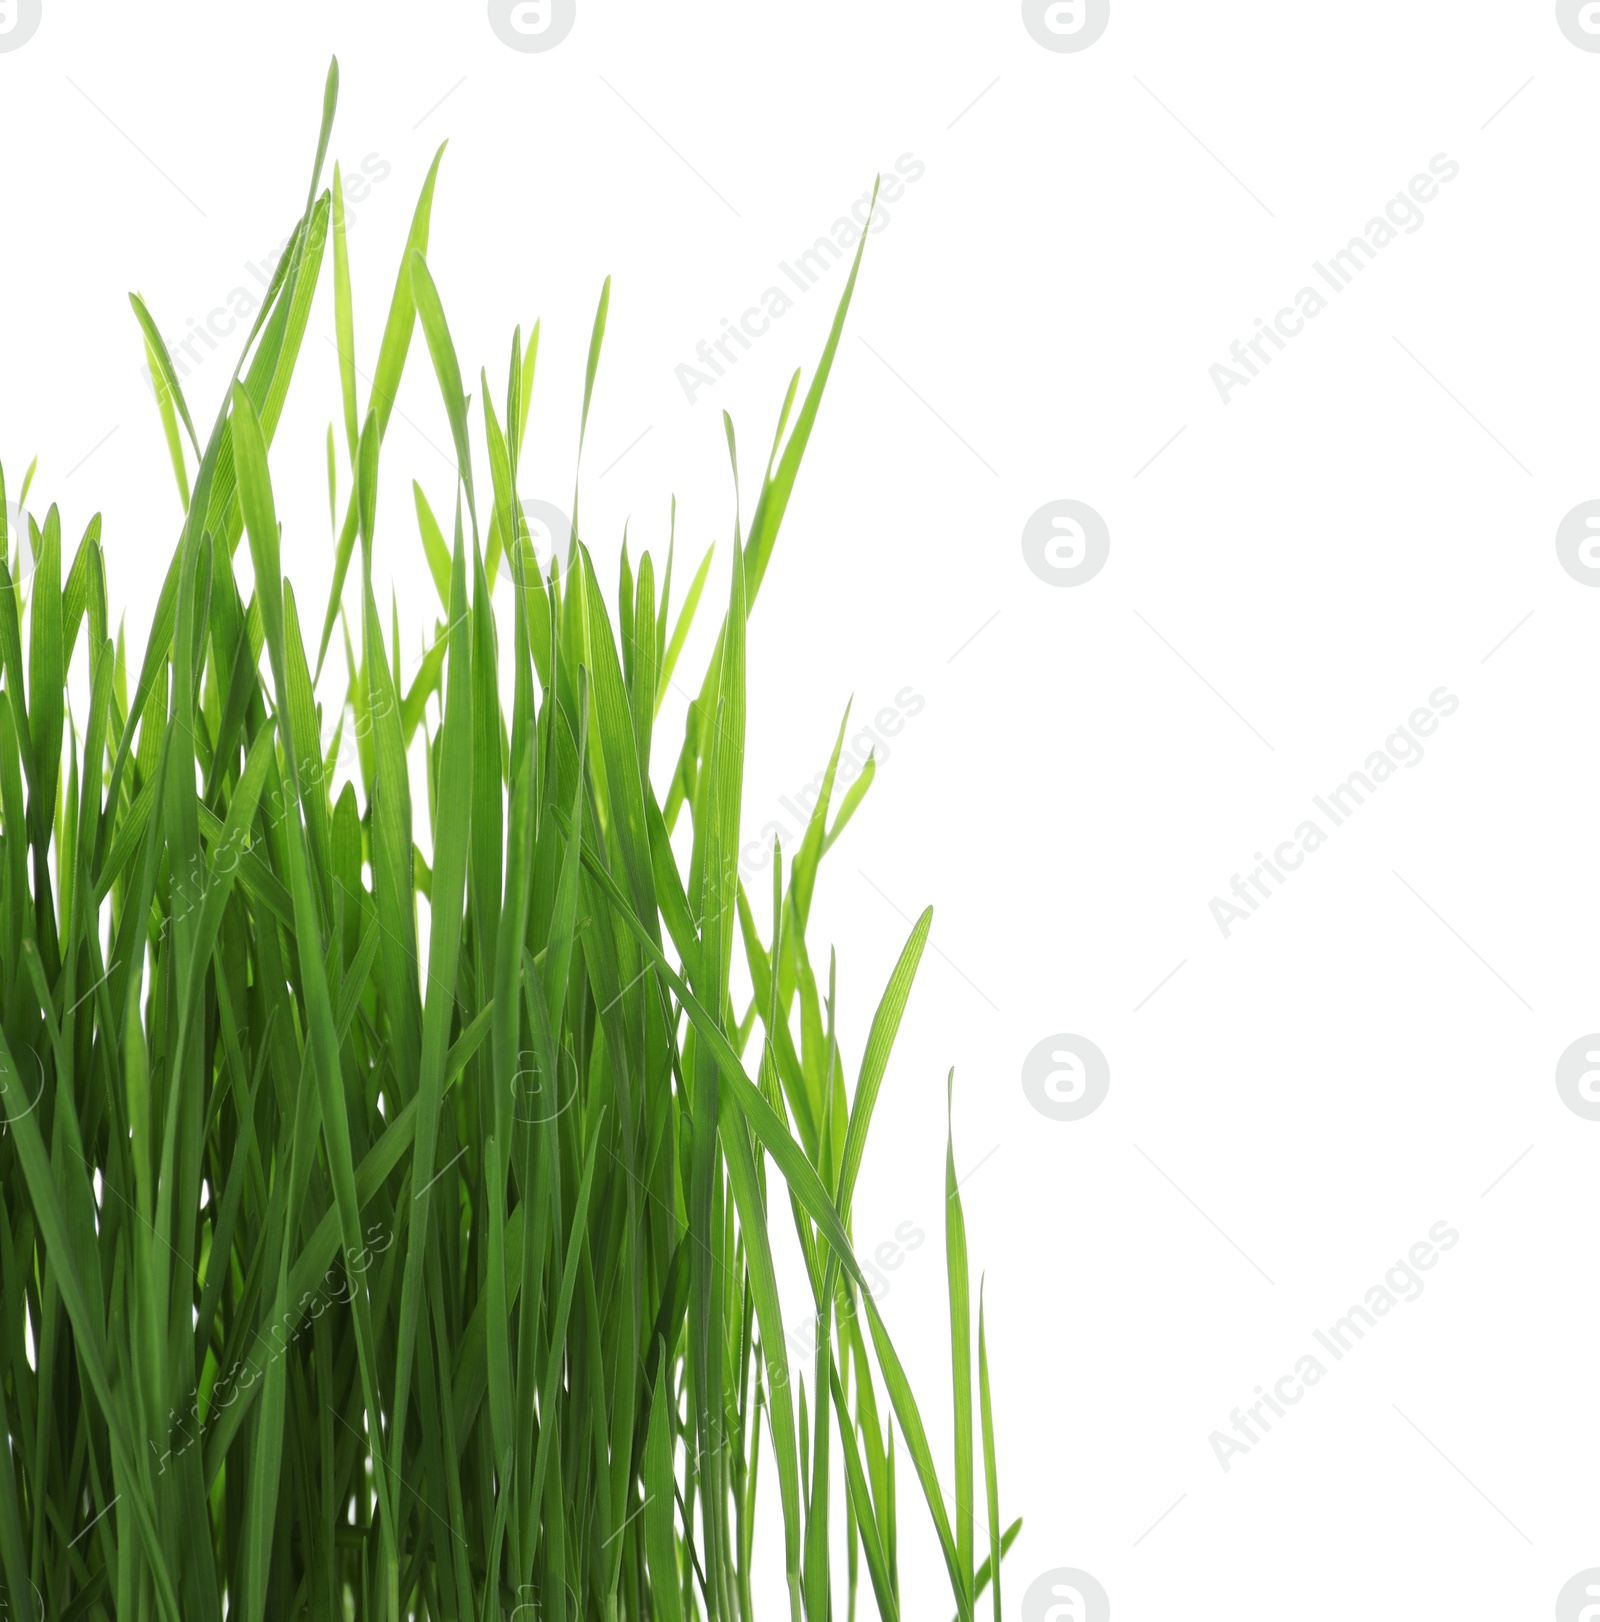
(231, 1083)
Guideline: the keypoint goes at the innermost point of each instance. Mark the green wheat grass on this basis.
(356, 1269)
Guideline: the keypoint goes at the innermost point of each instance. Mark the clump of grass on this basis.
(344, 1275)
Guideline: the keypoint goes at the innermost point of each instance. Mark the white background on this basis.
(1371, 519)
